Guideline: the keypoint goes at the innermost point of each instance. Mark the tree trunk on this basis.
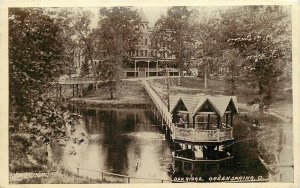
(205, 78)
(95, 85)
(261, 102)
(180, 67)
(111, 94)
(232, 82)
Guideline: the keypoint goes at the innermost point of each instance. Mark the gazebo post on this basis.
(208, 121)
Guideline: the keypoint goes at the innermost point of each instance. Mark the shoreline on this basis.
(110, 103)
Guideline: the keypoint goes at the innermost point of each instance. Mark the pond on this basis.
(129, 142)
(122, 141)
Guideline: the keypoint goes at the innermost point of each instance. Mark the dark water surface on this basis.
(122, 141)
(128, 142)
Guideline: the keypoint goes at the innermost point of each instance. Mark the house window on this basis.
(146, 42)
(142, 52)
(137, 53)
(155, 53)
(146, 53)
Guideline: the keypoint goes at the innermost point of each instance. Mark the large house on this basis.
(146, 61)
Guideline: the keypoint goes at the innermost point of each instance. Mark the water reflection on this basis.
(127, 141)
(120, 141)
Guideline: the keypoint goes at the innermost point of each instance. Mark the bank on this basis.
(130, 94)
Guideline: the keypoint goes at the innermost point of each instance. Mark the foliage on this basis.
(117, 33)
(79, 40)
(34, 52)
(233, 62)
(85, 69)
(265, 48)
(175, 33)
(34, 61)
(208, 48)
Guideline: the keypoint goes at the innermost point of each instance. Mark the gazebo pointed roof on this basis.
(195, 102)
(220, 103)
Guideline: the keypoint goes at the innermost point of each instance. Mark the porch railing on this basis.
(196, 135)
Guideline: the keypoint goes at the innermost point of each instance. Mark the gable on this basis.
(231, 107)
(179, 106)
(206, 107)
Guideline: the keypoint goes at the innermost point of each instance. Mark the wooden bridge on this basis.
(162, 109)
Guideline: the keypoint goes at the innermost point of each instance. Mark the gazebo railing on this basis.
(196, 135)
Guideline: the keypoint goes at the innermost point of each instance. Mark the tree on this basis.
(84, 69)
(34, 61)
(117, 34)
(76, 26)
(265, 48)
(233, 62)
(34, 54)
(208, 48)
(175, 32)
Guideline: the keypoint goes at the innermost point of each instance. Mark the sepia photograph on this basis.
(150, 94)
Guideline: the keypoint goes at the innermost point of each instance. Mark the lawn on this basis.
(216, 86)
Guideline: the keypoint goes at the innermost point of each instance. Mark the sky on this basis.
(154, 13)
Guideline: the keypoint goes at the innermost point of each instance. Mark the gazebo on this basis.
(203, 129)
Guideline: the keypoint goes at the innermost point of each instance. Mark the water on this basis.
(128, 142)
(120, 141)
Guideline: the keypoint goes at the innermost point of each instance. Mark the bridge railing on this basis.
(77, 79)
(159, 105)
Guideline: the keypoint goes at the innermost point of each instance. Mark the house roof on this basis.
(144, 19)
(194, 102)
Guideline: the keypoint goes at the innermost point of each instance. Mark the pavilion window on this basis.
(213, 120)
(228, 120)
(201, 121)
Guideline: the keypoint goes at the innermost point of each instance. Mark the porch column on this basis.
(77, 90)
(148, 68)
(194, 122)
(157, 68)
(134, 68)
(188, 120)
